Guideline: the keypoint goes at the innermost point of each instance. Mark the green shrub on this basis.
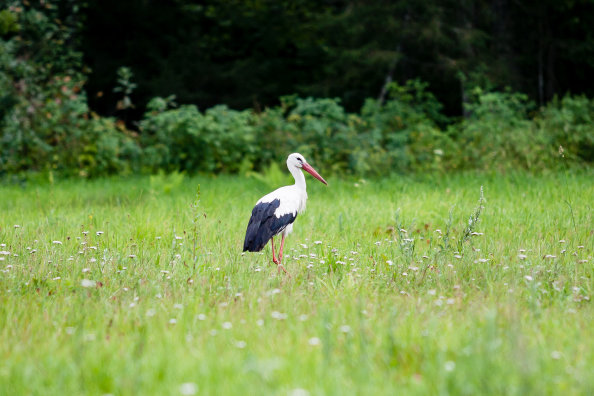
(324, 133)
(45, 122)
(405, 130)
(569, 122)
(220, 140)
(54, 130)
(498, 135)
(275, 138)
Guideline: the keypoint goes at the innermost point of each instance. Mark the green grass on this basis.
(367, 311)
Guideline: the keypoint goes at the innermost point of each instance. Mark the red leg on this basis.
(280, 256)
(274, 260)
(280, 252)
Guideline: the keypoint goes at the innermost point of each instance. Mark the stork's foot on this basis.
(276, 261)
(281, 267)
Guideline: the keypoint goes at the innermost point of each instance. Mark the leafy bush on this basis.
(395, 137)
(324, 132)
(55, 131)
(569, 123)
(45, 121)
(404, 130)
(499, 135)
(221, 139)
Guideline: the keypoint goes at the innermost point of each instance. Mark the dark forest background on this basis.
(99, 87)
(249, 53)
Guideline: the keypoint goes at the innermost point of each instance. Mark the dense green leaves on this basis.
(46, 123)
(186, 139)
(502, 132)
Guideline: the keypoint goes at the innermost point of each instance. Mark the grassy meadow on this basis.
(139, 286)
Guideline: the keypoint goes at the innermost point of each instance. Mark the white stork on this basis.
(275, 213)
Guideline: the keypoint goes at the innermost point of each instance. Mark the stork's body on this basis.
(275, 213)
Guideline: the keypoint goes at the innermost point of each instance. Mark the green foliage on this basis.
(398, 136)
(503, 132)
(405, 129)
(45, 123)
(8, 22)
(125, 86)
(498, 135)
(219, 139)
(324, 132)
(55, 131)
(569, 123)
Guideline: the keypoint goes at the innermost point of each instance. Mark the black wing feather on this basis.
(264, 225)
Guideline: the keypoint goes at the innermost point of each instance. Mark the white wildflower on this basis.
(188, 388)
(345, 328)
(88, 283)
(298, 392)
(278, 315)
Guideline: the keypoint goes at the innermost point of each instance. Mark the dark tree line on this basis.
(250, 53)
(76, 79)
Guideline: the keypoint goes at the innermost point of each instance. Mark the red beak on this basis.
(312, 171)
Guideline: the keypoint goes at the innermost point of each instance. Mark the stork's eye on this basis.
(300, 160)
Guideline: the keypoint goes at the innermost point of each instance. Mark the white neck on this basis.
(299, 177)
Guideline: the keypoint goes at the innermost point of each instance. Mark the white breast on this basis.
(292, 200)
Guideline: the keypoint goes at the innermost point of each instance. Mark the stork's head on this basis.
(298, 161)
